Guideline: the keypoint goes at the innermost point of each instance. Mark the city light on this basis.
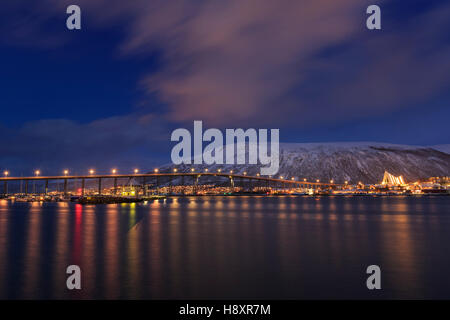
(292, 179)
(231, 171)
(37, 172)
(304, 179)
(317, 180)
(192, 170)
(245, 173)
(114, 171)
(257, 174)
(6, 173)
(66, 172)
(346, 182)
(281, 177)
(219, 170)
(206, 170)
(137, 170)
(331, 181)
(91, 171)
(175, 170)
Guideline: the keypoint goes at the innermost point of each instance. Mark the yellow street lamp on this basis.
(91, 171)
(257, 174)
(114, 171)
(219, 170)
(66, 172)
(37, 172)
(206, 170)
(175, 170)
(137, 170)
(192, 170)
(331, 181)
(245, 173)
(231, 171)
(317, 180)
(6, 173)
(304, 179)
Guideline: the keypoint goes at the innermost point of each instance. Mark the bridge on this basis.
(146, 178)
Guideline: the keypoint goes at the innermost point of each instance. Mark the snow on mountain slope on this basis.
(442, 147)
(351, 161)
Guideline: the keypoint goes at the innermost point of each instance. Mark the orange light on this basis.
(245, 173)
(6, 173)
(91, 171)
(317, 180)
(219, 170)
(175, 170)
(137, 170)
(192, 170)
(231, 171)
(66, 172)
(114, 171)
(37, 172)
(206, 170)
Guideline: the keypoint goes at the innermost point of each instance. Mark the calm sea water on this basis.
(227, 247)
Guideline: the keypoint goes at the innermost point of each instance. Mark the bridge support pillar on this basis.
(5, 187)
(99, 186)
(115, 186)
(82, 187)
(65, 187)
(26, 186)
(46, 187)
(157, 185)
(144, 186)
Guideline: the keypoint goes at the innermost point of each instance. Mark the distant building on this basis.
(391, 180)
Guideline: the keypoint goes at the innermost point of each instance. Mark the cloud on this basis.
(121, 142)
(274, 63)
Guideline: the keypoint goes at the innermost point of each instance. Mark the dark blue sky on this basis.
(111, 94)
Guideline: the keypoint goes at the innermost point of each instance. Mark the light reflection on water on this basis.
(227, 247)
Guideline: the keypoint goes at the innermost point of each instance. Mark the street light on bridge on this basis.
(91, 171)
(219, 170)
(317, 180)
(66, 172)
(6, 173)
(245, 173)
(137, 170)
(192, 169)
(206, 170)
(114, 171)
(304, 179)
(257, 174)
(37, 172)
(175, 170)
(231, 171)
(331, 181)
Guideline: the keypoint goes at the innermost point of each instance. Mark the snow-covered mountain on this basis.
(355, 161)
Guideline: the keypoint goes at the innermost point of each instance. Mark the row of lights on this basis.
(66, 172)
(156, 170)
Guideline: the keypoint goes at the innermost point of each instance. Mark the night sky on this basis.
(110, 94)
